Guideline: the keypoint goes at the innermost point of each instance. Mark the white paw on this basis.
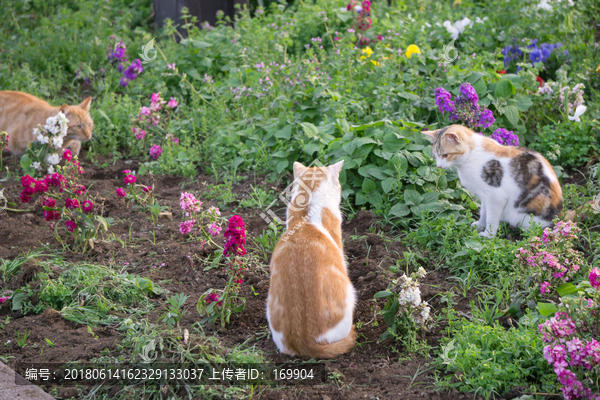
(479, 225)
(475, 224)
(486, 234)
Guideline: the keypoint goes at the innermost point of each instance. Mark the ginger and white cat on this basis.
(311, 299)
(20, 114)
(516, 185)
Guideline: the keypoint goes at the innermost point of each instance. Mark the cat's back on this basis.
(20, 113)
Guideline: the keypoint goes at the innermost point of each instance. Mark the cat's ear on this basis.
(65, 109)
(430, 135)
(452, 138)
(335, 169)
(298, 169)
(85, 105)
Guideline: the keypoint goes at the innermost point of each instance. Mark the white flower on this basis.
(578, 113)
(481, 21)
(358, 8)
(62, 118)
(52, 159)
(546, 89)
(42, 139)
(421, 272)
(544, 5)
(36, 165)
(57, 142)
(50, 170)
(458, 27)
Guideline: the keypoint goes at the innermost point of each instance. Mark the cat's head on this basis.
(450, 144)
(317, 186)
(80, 123)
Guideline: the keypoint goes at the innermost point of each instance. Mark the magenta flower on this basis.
(71, 204)
(594, 278)
(87, 205)
(71, 225)
(186, 227)
(505, 137)
(67, 156)
(443, 99)
(235, 237)
(147, 189)
(130, 179)
(141, 134)
(172, 103)
(79, 190)
(214, 229)
(145, 111)
(544, 287)
(155, 151)
(121, 192)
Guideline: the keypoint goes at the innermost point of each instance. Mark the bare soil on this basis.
(372, 370)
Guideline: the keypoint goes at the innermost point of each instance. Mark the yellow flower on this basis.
(375, 62)
(598, 69)
(367, 50)
(412, 49)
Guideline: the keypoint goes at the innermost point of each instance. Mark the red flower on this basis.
(87, 205)
(147, 189)
(71, 204)
(50, 214)
(502, 72)
(540, 80)
(235, 237)
(379, 37)
(121, 192)
(79, 190)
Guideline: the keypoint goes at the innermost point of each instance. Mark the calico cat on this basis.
(20, 114)
(515, 185)
(311, 299)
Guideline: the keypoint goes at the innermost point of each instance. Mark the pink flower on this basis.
(235, 237)
(172, 103)
(594, 278)
(127, 171)
(147, 189)
(211, 298)
(67, 155)
(130, 179)
(214, 229)
(544, 287)
(186, 226)
(79, 190)
(141, 134)
(3, 299)
(87, 205)
(71, 225)
(71, 204)
(121, 192)
(188, 202)
(171, 66)
(145, 111)
(214, 210)
(155, 151)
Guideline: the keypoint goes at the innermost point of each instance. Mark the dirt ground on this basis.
(372, 370)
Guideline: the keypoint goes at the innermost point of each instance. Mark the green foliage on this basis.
(491, 360)
(569, 144)
(174, 309)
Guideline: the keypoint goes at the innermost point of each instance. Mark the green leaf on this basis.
(430, 197)
(310, 130)
(368, 186)
(194, 74)
(385, 293)
(512, 113)
(360, 199)
(523, 102)
(392, 144)
(284, 133)
(505, 88)
(281, 165)
(412, 197)
(567, 289)
(474, 245)
(17, 300)
(389, 184)
(26, 162)
(400, 210)
(311, 147)
(199, 44)
(546, 309)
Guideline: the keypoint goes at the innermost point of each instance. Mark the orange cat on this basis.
(311, 298)
(20, 114)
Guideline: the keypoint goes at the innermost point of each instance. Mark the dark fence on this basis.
(205, 10)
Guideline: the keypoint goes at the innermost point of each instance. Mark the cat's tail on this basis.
(313, 349)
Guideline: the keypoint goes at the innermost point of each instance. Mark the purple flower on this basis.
(155, 151)
(443, 100)
(120, 67)
(486, 119)
(505, 137)
(134, 69)
(544, 287)
(469, 92)
(535, 56)
(124, 81)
